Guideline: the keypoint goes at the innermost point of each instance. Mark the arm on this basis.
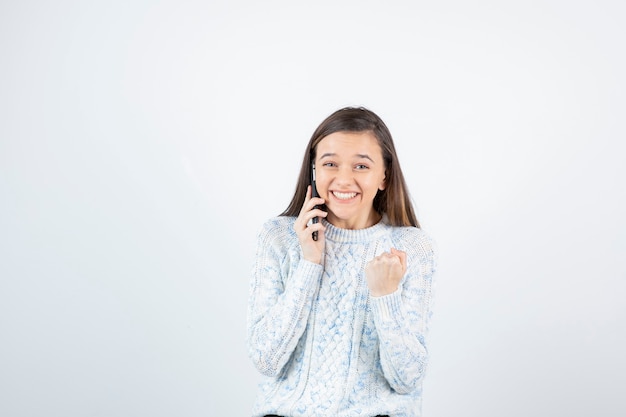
(281, 295)
(401, 319)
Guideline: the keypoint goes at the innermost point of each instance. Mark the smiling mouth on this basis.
(344, 196)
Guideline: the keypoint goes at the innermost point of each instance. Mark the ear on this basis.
(383, 183)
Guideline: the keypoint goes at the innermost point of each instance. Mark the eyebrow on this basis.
(360, 155)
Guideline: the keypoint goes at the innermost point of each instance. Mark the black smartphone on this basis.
(314, 193)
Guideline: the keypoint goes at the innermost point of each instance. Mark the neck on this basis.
(355, 224)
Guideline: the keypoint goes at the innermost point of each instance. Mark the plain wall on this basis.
(143, 143)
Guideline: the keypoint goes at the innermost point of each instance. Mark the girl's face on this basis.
(349, 172)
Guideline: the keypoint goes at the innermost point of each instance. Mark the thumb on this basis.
(400, 254)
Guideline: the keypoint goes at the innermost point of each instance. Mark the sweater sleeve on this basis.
(282, 289)
(402, 318)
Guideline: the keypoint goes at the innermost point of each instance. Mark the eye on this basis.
(329, 164)
(361, 167)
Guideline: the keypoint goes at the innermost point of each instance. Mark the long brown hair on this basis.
(394, 200)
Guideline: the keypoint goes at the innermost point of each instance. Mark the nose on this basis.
(344, 176)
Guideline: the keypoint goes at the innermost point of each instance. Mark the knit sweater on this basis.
(325, 346)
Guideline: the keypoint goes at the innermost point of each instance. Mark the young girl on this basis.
(339, 308)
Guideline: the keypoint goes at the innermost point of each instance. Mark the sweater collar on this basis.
(337, 234)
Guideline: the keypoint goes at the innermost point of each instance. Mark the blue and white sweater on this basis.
(325, 346)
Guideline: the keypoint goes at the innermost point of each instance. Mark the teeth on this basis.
(344, 196)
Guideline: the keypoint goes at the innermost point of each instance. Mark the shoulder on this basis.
(278, 231)
(415, 241)
(279, 224)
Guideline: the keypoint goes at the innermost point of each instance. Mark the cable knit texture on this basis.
(325, 346)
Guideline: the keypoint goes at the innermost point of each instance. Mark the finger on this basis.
(401, 255)
(310, 202)
(313, 215)
(315, 227)
(307, 197)
(386, 259)
(403, 260)
(305, 219)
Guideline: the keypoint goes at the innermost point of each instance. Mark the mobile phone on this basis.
(314, 193)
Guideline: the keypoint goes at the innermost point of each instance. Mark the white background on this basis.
(143, 143)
